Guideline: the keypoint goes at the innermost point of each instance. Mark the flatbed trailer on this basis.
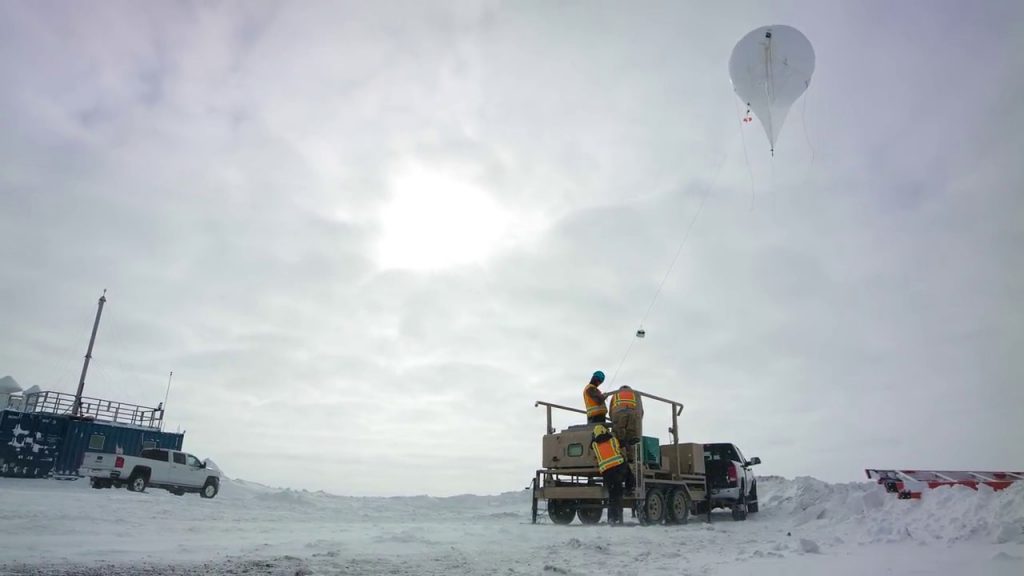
(909, 484)
(667, 492)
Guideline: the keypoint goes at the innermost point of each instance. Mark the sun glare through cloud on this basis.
(437, 218)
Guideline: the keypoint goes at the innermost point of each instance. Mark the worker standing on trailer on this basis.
(593, 399)
(627, 419)
(611, 464)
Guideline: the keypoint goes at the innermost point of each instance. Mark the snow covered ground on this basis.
(805, 527)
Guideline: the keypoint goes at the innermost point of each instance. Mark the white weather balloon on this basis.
(770, 68)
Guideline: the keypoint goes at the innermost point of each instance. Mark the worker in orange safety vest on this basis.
(593, 399)
(615, 473)
(627, 412)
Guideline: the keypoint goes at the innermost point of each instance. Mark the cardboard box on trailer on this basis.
(685, 458)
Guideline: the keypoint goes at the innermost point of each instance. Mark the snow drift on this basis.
(864, 513)
(805, 526)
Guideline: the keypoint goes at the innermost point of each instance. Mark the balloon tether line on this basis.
(803, 123)
(746, 159)
(679, 250)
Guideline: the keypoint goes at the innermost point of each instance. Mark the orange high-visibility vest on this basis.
(594, 408)
(623, 400)
(607, 453)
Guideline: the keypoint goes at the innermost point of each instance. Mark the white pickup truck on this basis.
(176, 472)
(731, 480)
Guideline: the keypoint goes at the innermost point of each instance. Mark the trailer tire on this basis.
(678, 506)
(589, 515)
(653, 511)
(533, 508)
(561, 511)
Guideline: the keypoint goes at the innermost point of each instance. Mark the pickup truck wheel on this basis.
(739, 509)
(678, 506)
(561, 511)
(209, 489)
(137, 483)
(739, 514)
(752, 502)
(654, 507)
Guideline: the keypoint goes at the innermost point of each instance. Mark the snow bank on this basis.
(804, 527)
(856, 512)
(326, 506)
(864, 513)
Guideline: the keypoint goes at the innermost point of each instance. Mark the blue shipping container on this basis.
(91, 436)
(29, 443)
(36, 444)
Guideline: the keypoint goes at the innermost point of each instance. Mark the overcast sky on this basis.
(366, 237)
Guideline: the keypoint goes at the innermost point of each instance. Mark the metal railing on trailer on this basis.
(90, 408)
(656, 495)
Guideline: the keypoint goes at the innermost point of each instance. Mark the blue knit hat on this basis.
(598, 376)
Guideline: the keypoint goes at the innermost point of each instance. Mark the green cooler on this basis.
(651, 452)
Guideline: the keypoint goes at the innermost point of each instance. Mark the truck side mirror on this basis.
(754, 461)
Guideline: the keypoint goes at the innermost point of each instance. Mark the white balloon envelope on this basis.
(770, 68)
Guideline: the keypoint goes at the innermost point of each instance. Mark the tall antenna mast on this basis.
(163, 407)
(88, 356)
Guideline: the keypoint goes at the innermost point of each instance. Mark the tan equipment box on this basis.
(569, 448)
(683, 458)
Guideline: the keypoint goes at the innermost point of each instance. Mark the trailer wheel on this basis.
(533, 511)
(653, 511)
(590, 515)
(678, 506)
(561, 511)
